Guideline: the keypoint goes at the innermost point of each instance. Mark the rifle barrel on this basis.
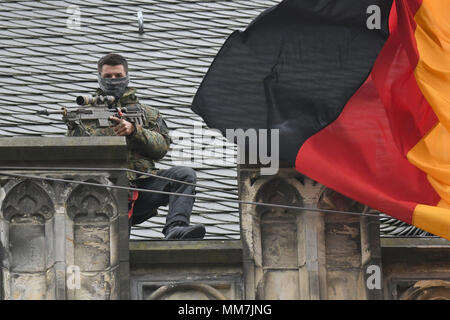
(45, 112)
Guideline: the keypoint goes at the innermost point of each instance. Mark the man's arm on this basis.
(152, 141)
(148, 142)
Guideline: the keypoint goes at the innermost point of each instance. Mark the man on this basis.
(146, 144)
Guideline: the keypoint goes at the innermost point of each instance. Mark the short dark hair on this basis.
(112, 59)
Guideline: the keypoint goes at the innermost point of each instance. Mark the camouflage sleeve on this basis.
(152, 141)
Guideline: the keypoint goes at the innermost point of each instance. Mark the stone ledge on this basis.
(33, 151)
(420, 253)
(193, 252)
(410, 242)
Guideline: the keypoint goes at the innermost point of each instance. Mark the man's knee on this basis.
(186, 174)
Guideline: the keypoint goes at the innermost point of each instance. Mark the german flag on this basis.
(362, 110)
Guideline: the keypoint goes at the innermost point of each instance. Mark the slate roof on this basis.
(45, 62)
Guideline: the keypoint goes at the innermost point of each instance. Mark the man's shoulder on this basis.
(151, 112)
(154, 117)
(130, 97)
(148, 108)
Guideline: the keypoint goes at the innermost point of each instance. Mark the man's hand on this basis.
(123, 127)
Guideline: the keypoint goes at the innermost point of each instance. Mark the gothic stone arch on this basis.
(27, 212)
(94, 217)
(277, 240)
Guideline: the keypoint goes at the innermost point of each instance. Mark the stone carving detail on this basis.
(277, 191)
(332, 200)
(27, 202)
(29, 210)
(428, 290)
(187, 291)
(90, 204)
(278, 228)
(92, 210)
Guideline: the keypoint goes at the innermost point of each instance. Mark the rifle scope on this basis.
(96, 100)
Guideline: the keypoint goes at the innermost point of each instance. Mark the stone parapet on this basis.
(63, 240)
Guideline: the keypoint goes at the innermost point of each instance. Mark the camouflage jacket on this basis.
(146, 145)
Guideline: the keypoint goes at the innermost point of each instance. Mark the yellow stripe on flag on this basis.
(433, 219)
(432, 153)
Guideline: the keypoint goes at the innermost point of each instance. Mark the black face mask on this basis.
(113, 87)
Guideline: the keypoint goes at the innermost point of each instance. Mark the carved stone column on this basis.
(301, 254)
(63, 240)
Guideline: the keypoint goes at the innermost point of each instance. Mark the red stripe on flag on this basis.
(410, 116)
(363, 153)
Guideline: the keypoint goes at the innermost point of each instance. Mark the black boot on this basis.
(179, 232)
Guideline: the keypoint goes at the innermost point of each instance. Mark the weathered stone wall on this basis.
(283, 253)
(60, 240)
(304, 254)
(63, 240)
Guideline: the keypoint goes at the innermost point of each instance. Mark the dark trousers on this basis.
(180, 208)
